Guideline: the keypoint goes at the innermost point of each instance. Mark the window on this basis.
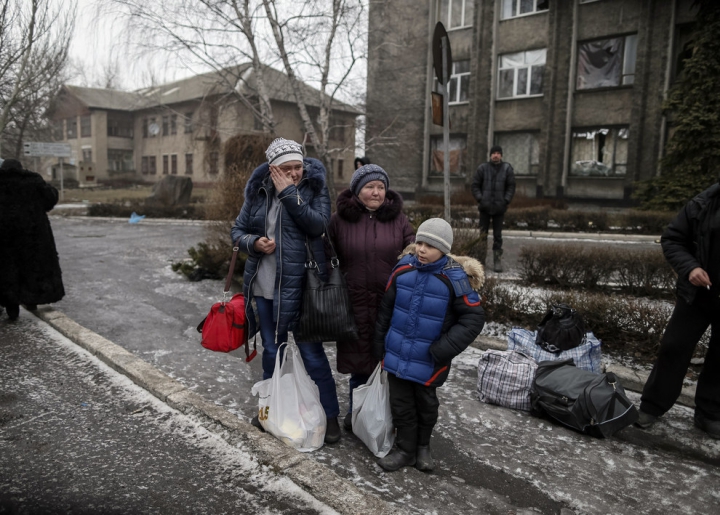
(165, 125)
(166, 164)
(521, 150)
(122, 126)
(599, 152)
(340, 170)
(120, 160)
(607, 62)
(87, 155)
(188, 123)
(337, 130)
(71, 124)
(213, 163)
(457, 13)
(58, 128)
(152, 165)
(458, 155)
(173, 164)
(173, 124)
(85, 130)
(188, 164)
(144, 165)
(513, 8)
(153, 128)
(459, 82)
(145, 127)
(521, 74)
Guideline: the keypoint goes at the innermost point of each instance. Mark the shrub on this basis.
(544, 218)
(209, 261)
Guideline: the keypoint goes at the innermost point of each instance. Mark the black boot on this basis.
(332, 433)
(403, 454)
(497, 261)
(256, 422)
(13, 311)
(424, 460)
(347, 422)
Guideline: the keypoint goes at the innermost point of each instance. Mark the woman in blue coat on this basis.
(286, 204)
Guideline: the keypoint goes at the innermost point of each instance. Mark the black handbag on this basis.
(326, 313)
(561, 329)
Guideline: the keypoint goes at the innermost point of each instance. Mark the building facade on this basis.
(572, 90)
(178, 128)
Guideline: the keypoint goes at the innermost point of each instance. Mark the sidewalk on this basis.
(72, 422)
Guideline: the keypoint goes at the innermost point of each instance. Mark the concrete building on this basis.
(572, 90)
(179, 128)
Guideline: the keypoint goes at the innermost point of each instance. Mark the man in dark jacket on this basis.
(493, 187)
(691, 244)
(29, 266)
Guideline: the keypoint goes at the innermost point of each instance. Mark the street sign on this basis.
(437, 51)
(36, 149)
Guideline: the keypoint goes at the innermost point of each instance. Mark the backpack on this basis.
(505, 378)
(595, 404)
(224, 328)
(561, 329)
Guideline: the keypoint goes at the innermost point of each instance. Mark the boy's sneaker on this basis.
(645, 420)
(711, 427)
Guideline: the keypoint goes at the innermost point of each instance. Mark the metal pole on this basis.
(62, 188)
(446, 129)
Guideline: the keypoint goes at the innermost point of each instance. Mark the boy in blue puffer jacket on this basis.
(430, 313)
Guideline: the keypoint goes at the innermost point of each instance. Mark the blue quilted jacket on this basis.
(305, 212)
(429, 315)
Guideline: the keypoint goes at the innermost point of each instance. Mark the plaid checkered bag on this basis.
(505, 379)
(586, 356)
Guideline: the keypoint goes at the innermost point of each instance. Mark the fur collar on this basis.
(314, 177)
(473, 268)
(350, 209)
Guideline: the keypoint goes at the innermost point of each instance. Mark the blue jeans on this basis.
(313, 356)
(355, 381)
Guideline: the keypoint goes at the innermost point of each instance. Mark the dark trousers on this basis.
(686, 326)
(414, 410)
(313, 356)
(497, 223)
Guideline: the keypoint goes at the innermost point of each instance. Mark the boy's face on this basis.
(427, 253)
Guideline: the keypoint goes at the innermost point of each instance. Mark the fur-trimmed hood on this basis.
(350, 209)
(473, 268)
(313, 176)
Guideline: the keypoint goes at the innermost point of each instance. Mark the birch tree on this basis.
(34, 41)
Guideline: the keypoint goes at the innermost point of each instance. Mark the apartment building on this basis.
(572, 90)
(179, 128)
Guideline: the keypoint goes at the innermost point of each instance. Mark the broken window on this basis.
(458, 83)
(521, 74)
(71, 124)
(513, 8)
(521, 150)
(121, 125)
(458, 155)
(85, 128)
(607, 62)
(457, 13)
(600, 152)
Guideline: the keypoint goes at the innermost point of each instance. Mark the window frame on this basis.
(457, 77)
(529, 67)
(447, 17)
(71, 127)
(189, 122)
(173, 164)
(166, 164)
(214, 162)
(188, 163)
(596, 129)
(436, 140)
(517, 5)
(622, 82)
(535, 135)
(85, 126)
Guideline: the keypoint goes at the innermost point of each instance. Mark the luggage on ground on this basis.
(505, 378)
(587, 356)
(595, 404)
(561, 329)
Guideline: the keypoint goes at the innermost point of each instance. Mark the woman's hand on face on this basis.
(264, 245)
(279, 179)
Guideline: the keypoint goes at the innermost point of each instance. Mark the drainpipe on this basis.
(666, 86)
(570, 101)
(425, 170)
(493, 80)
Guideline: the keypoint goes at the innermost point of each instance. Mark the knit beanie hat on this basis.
(283, 150)
(436, 232)
(495, 148)
(366, 174)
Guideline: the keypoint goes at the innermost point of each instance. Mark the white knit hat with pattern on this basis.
(282, 150)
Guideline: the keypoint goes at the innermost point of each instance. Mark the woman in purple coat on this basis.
(369, 231)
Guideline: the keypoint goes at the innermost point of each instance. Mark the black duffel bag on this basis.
(561, 329)
(595, 404)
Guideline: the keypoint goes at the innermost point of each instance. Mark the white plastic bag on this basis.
(289, 403)
(371, 415)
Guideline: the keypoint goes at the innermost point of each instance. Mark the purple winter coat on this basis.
(368, 245)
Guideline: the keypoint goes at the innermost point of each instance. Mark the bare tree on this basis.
(34, 41)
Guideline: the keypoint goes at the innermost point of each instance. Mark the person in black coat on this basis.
(29, 266)
(493, 187)
(691, 244)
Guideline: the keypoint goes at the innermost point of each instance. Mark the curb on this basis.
(313, 477)
(633, 380)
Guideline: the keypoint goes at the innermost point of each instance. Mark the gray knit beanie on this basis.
(436, 232)
(366, 174)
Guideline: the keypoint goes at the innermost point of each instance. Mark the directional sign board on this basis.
(36, 149)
